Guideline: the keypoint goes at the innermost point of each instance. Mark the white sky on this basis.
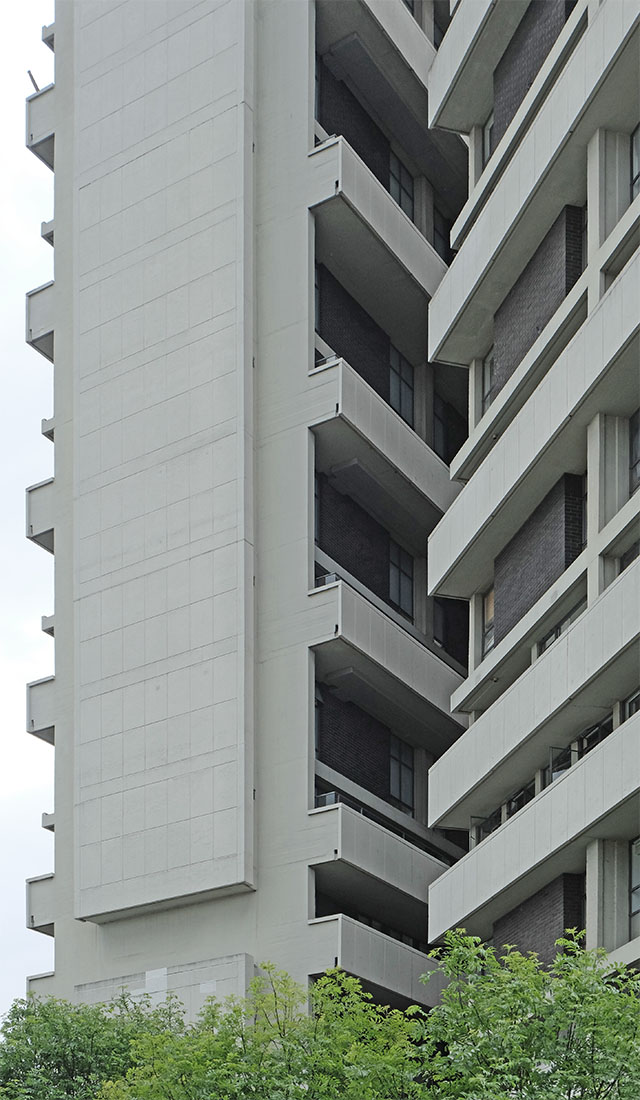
(26, 573)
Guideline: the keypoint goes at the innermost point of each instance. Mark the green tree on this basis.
(51, 1050)
(283, 1042)
(510, 1029)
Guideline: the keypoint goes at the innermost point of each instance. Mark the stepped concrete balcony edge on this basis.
(377, 959)
(352, 635)
(41, 124)
(596, 798)
(359, 427)
(40, 513)
(40, 319)
(381, 255)
(40, 908)
(41, 708)
(558, 695)
(544, 439)
(366, 849)
(546, 174)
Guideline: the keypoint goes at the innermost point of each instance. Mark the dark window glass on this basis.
(560, 627)
(439, 622)
(410, 4)
(400, 578)
(487, 140)
(635, 877)
(631, 705)
(488, 636)
(401, 774)
(441, 233)
(635, 163)
(401, 385)
(487, 380)
(401, 184)
(634, 452)
(629, 556)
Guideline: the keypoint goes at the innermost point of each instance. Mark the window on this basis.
(520, 798)
(400, 579)
(560, 627)
(441, 233)
(591, 737)
(318, 717)
(634, 452)
(635, 163)
(316, 509)
(401, 184)
(629, 556)
(439, 622)
(631, 705)
(487, 135)
(401, 385)
(635, 877)
(488, 380)
(488, 636)
(440, 426)
(438, 33)
(401, 774)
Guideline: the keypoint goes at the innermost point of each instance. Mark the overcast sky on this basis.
(26, 574)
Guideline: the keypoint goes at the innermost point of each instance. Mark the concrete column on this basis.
(421, 762)
(475, 630)
(423, 206)
(428, 387)
(607, 906)
(475, 156)
(475, 393)
(607, 487)
(425, 17)
(608, 196)
(421, 605)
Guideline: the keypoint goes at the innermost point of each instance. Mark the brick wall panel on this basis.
(538, 554)
(352, 333)
(341, 113)
(354, 744)
(538, 922)
(515, 72)
(353, 539)
(537, 293)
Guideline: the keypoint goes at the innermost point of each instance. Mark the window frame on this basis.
(634, 888)
(634, 452)
(402, 755)
(634, 165)
(402, 370)
(488, 625)
(399, 560)
(398, 175)
(488, 375)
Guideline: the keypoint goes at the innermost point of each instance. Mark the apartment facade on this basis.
(251, 449)
(542, 303)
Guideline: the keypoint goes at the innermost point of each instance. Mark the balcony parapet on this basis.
(375, 958)
(40, 319)
(40, 907)
(41, 124)
(41, 709)
(597, 797)
(40, 514)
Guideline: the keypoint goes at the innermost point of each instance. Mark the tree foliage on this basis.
(506, 1029)
(509, 1029)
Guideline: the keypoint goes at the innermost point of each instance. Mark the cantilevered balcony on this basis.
(373, 455)
(39, 321)
(383, 259)
(567, 688)
(548, 172)
(41, 709)
(599, 797)
(40, 904)
(381, 51)
(389, 969)
(40, 514)
(41, 124)
(375, 661)
(363, 858)
(548, 434)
